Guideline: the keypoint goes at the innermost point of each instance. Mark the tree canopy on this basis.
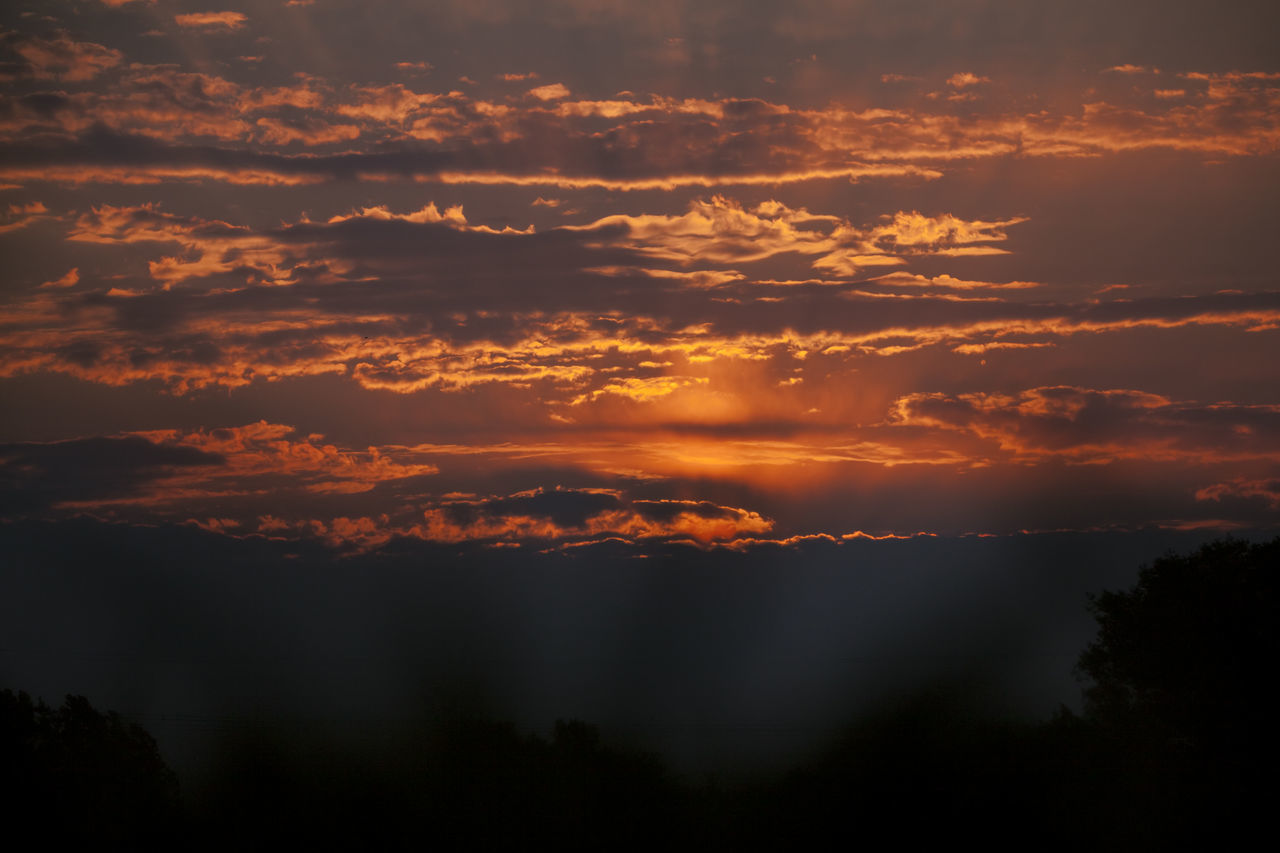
(1191, 648)
(73, 773)
(1179, 735)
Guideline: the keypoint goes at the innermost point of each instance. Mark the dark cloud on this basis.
(546, 149)
(37, 476)
(565, 507)
(1085, 423)
(666, 510)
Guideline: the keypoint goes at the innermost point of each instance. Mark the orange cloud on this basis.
(949, 282)
(131, 175)
(63, 58)
(276, 132)
(720, 230)
(694, 526)
(964, 79)
(71, 279)
(215, 525)
(218, 327)
(22, 215)
(560, 352)
(571, 517)
(1242, 487)
(1099, 426)
(562, 514)
(389, 104)
(642, 389)
(663, 143)
(550, 92)
(211, 20)
(256, 451)
(210, 247)
(674, 180)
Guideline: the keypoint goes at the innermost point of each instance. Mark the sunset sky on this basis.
(731, 284)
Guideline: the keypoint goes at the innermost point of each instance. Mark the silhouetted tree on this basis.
(1192, 648)
(1175, 747)
(1180, 700)
(74, 774)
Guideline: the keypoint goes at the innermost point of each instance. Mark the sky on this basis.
(581, 296)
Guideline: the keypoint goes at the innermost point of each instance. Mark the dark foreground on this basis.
(1175, 749)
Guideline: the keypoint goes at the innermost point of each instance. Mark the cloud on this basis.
(550, 92)
(63, 58)
(264, 448)
(621, 142)
(642, 390)
(938, 232)
(277, 132)
(569, 514)
(1266, 489)
(721, 231)
(905, 234)
(367, 296)
(209, 247)
(37, 476)
(211, 21)
(948, 282)
(965, 79)
(70, 279)
(559, 517)
(22, 215)
(1088, 425)
(565, 507)
(416, 67)
(181, 472)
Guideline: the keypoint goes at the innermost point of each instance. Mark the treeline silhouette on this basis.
(1174, 748)
(74, 775)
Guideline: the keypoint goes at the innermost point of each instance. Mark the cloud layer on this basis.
(726, 285)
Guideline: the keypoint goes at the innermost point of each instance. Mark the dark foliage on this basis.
(1179, 705)
(464, 783)
(1174, 748)
(1189, 649)
(73, 774)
